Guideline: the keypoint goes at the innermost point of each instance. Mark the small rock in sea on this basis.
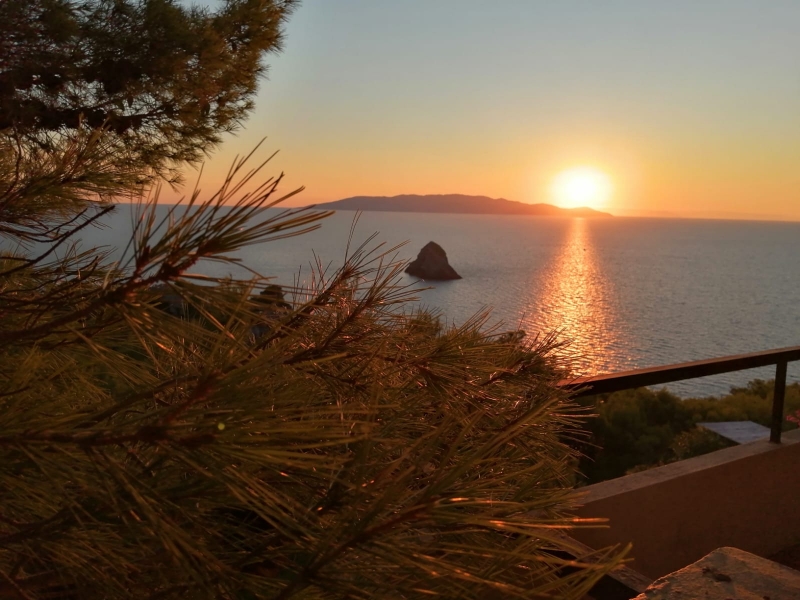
(431, 263)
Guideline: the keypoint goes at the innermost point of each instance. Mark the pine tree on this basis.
(164, 79)
(333, 444)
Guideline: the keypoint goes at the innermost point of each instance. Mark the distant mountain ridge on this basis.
(456, 203)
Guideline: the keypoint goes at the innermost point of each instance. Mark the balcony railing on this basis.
(626, 583)
(615, 382)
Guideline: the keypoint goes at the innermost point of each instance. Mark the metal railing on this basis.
(615, 382)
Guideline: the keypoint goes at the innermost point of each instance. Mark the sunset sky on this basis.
(691, 108)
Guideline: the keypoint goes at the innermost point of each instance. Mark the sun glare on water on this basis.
(581, 186)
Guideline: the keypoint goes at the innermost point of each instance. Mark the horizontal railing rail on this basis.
(616, 382)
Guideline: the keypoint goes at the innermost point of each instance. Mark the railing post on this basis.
(777, 403)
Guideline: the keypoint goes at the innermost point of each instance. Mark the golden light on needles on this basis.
(581, 186)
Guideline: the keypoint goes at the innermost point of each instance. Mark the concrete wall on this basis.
(747, 497)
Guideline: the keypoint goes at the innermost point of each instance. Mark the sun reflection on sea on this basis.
(574, 299)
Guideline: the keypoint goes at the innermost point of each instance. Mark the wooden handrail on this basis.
(625, 380)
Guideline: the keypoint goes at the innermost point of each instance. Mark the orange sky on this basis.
(690, 108)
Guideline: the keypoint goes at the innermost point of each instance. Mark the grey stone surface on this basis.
(727, 574)
(741, 432)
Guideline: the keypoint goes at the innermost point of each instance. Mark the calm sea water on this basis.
(627, 292)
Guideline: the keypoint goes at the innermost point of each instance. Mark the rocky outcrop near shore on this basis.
(275, 307)
(431, 264)
(270, 307)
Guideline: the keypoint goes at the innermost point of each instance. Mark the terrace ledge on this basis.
(743, 497)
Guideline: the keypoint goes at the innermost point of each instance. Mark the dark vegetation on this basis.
(639, 429)
(166, 435)
(162, 80)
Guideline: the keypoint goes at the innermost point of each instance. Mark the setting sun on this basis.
(581, 186)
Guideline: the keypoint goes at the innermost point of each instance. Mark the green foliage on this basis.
(633, 427)
(164, 80)
(750, 403)
(696, 442)
(638, 429)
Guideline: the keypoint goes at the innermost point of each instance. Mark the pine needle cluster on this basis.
(171, 435)
(163, 77)
(344, 447)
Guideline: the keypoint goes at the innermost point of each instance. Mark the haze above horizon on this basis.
(679, 109)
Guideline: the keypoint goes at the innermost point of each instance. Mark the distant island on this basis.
(456, 203)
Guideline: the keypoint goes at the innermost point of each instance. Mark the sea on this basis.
(624, 293)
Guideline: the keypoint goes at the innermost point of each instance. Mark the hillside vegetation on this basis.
(642, 428)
